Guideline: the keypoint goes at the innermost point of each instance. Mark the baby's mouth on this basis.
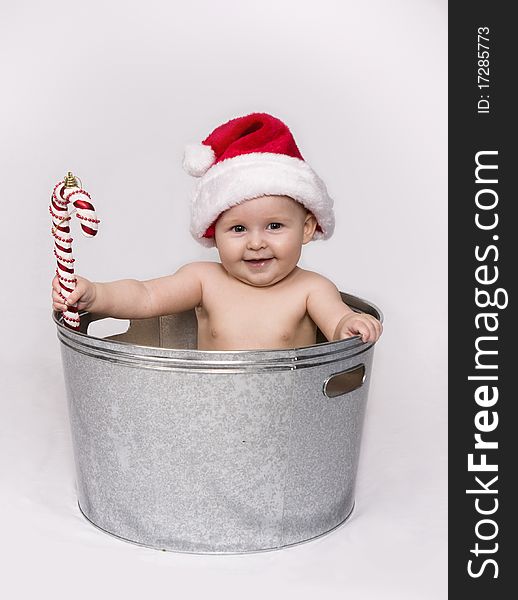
(258, 262)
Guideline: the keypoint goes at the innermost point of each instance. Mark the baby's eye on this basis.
(238, 228)
(274, 225)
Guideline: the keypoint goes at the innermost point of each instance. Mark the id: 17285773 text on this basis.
(483, 70)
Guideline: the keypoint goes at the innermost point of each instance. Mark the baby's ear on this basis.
(310, 225)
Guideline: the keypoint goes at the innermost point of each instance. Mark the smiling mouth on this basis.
(258, 262)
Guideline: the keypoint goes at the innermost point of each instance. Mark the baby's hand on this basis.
(367, 326)
(83, 294)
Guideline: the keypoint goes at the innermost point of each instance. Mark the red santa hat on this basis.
(248, 157)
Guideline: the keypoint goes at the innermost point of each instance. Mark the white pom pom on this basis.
(198, 158)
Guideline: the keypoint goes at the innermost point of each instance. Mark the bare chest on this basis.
(243, 317)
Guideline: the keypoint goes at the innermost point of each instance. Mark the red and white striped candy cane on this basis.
(67, 192)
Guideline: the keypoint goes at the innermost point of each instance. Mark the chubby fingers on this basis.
(370, 328)
(58, 301)
(365, 325)
(74, 295)
(55, 284)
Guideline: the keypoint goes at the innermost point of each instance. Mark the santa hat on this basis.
(248, 157)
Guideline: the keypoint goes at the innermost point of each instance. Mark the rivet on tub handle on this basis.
(344, 382)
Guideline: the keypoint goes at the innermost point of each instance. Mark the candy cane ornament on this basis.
(68, 192)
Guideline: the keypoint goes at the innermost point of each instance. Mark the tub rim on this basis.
(133, 354)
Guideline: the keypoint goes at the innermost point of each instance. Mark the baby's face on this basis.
(260, 241)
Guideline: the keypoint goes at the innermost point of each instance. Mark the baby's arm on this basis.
(334, 318)
(132, 299)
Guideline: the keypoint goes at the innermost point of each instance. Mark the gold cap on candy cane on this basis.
(70, 180)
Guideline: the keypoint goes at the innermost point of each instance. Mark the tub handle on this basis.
(344, 382)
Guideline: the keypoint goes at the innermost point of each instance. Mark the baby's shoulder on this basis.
(203, 269)
(315, 285)
(313, 279)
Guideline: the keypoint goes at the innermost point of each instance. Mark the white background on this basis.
(113, 91)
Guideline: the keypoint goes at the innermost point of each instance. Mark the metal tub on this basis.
(213, 452)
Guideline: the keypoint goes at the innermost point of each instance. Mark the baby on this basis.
(258, 202)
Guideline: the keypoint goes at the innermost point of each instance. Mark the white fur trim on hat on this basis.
(248, 176)
(198, 158)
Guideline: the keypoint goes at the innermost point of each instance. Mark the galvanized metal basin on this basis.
(213, 452)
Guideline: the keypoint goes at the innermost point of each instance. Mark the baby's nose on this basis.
(255, 241)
